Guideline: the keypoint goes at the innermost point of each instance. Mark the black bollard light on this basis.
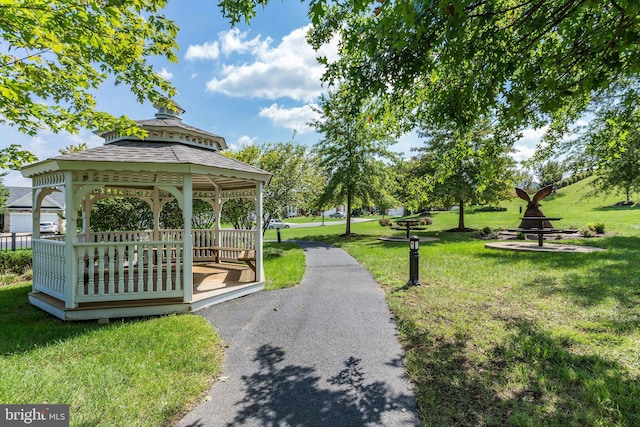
(414, 256)
(278, 231)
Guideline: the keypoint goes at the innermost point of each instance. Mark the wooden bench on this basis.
(249, 258)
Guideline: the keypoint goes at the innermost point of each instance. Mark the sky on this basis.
(249, 84)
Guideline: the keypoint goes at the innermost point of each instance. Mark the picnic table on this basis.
(408, 225)
(540, 230)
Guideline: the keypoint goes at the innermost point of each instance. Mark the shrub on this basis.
(385, 222)
(586, 232)
(17, 262)
(425, 220)
(521, 236)
(597, 227)
(486, 230)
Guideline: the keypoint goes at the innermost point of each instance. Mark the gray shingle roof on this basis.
(158, 152)
(17, 193)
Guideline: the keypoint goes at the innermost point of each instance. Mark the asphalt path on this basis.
(323, 353)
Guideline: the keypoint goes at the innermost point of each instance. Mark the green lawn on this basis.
(513, 338)
(142, 372)
(491, 337)
(135, 372)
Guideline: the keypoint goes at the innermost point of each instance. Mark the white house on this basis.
(18, 214)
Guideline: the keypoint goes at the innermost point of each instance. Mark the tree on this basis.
(13, 157)
(294, 182)
(549, 173)
(350, 151)
(533, 62)
(74, 148)
(121, 214)
(468, 166)
(56, 53)
(610, 143)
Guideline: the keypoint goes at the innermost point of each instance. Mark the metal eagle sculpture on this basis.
(533, 207)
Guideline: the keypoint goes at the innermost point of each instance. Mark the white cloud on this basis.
(290, 118)
(289, 69)
(165, 74)
(203, 51)
(525, 147)
(234, 41)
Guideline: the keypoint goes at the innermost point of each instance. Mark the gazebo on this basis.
(85, 274)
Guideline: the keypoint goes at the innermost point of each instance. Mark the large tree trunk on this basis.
(461, 226)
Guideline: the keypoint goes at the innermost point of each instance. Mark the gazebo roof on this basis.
(172, 146)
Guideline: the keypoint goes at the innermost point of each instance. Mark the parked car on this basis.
(276, 223)
(49, 227)
(336, 215)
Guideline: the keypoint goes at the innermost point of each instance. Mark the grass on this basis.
(143, 372)
(491, 337)
(284, 265)
(513, 338)
(136, 372)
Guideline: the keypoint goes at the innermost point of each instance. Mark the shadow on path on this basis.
(280, 394)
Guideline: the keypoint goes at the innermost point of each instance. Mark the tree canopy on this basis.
(56, 53)
(351, 153)
(532, 61)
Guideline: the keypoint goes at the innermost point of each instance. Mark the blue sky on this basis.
(249, 84)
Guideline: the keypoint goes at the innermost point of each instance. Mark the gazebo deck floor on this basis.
(212, 283)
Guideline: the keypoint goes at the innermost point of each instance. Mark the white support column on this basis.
(156, 208)
(70, 262)
(187, 213)
(218, 211)
(35, 203)
(259, 258)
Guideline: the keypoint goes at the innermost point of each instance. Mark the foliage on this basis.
(56, 53)
(456, 61)
(121, 214)
(13, 156)
(464, 167)
(294, 181)
(610, 144)
(597, 228)
(74, 148)
(202, 215)
(351, 154)
(17, 262)
(385, 222)
(549, 173)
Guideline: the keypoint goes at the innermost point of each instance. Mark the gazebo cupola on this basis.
(88, 274)
(167, 126)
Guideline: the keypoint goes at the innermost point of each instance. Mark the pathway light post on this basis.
(414, 256)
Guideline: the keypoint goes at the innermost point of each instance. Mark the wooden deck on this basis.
(213, 283)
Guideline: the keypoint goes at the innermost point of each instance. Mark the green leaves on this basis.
(58, 52)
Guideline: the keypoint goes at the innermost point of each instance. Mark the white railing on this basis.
(110, 271)
(120, 236)
(48, 267)
(205, 239)
(239, 240)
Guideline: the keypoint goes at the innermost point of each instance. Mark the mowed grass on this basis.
(138, 372)
(134, 372)
(515, 338)
(284, 265)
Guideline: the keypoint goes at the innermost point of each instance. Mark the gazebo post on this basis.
(70, 265)
(259, 264)
(35, 202)
(187, 212)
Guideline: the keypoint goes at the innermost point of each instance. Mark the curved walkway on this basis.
(324, 353)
